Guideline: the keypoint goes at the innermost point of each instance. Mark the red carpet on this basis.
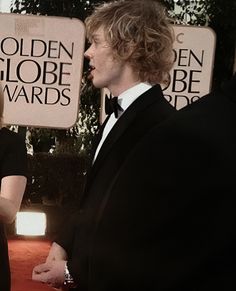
(24, 255)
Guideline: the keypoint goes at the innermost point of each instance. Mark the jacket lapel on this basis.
(134, 111)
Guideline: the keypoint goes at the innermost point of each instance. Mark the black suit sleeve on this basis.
(66, 236)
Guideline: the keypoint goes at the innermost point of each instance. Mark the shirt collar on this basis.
(127, 97)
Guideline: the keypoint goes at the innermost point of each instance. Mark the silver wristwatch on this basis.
(69, 281)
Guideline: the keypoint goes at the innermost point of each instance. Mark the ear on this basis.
(128, 50)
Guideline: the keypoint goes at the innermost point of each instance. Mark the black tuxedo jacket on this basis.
(159, 209)
(79, 238)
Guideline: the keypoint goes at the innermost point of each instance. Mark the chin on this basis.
(98, 84)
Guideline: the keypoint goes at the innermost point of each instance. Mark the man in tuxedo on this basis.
(158, 212)
(131, 53)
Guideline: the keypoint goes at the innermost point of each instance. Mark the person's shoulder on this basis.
(224, 94)
(10, 136)
(214, 108)
(228, 88)
(215, 101)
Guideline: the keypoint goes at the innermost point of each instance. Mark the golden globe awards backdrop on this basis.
(194, 51)
(41, 62)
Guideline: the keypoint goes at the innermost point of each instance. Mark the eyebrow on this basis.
(93, 37)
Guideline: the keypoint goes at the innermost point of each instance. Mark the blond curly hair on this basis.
(139, 32)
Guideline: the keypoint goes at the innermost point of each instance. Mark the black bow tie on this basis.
(112, 105)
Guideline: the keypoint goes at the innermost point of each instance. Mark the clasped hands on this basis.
(52, 271)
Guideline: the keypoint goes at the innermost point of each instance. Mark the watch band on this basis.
(69, 281)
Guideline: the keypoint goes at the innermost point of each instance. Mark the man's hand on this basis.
(56, 252)
(51, 273)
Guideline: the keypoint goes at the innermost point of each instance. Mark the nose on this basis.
(88, 53)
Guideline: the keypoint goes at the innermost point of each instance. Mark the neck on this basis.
(127, 79)
(119, 90)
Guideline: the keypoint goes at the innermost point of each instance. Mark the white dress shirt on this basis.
(125, 99)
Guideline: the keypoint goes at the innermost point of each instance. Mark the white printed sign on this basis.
(194, 50)
(41, 64)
